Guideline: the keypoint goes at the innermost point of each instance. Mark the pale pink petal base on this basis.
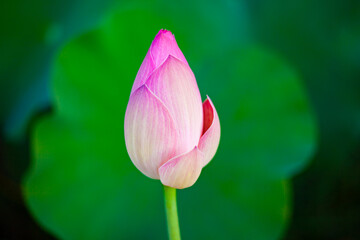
(182, 171)
(210, 138)
(150, 134)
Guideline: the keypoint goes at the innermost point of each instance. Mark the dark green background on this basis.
(284, 78)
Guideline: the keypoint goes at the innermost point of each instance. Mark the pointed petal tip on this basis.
(209, 114)
(210, 138)
(142, 88)
(171, 59)
(208, 101)
(164, 38)
(163, 45)
(165, 32)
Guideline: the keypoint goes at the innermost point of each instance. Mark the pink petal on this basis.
(163, 45)
(210, 138)
(174, 83)
(146, 68)
(150, 134)
(182, 171)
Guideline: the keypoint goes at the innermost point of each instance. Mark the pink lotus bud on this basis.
(169, 133)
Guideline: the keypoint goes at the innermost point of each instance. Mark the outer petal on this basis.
(174, 83)
(150, 134)
(182, 171)
(210, 138)
(146, 68)
(162, 46)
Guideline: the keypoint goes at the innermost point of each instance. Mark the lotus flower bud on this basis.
(169, 133)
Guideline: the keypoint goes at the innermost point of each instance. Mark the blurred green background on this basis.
(285, 80)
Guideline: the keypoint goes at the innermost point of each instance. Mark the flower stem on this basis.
(171, 213)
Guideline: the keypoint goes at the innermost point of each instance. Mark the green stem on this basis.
(171, 213)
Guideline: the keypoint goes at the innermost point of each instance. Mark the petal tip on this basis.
(163, 45)
(165, 33)
(208, 100)
(210, 138)
(171, 59)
